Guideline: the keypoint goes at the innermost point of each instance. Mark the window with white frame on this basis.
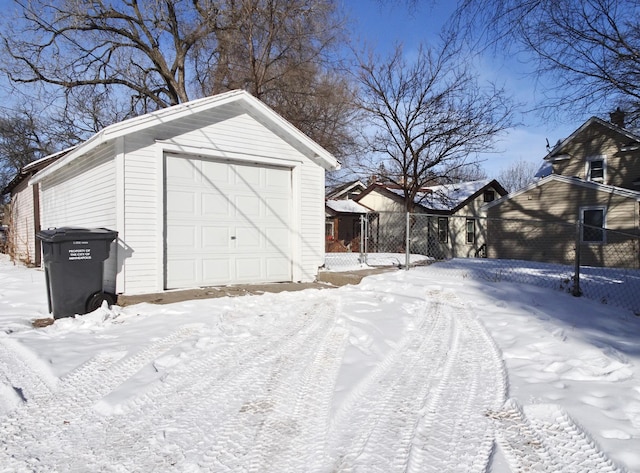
(596, 167)
(593, 221)
(443, 229)
(471, 231)
(328, 229)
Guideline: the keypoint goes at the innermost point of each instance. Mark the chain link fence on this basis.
(593, 262)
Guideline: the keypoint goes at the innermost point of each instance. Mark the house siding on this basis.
(391, 223)
(22, 225)
(541, 226)
(84, 195)
(311, 221)
(622, 167)
(220, 133)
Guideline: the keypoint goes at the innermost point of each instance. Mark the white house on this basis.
(220, 190)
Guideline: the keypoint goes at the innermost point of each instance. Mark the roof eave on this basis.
(317, 153)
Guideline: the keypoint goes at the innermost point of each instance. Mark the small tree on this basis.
(428, 117)
(518, 175)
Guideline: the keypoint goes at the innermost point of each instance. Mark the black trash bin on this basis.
(73, 260)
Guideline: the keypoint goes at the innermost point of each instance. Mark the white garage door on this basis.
(226, 222)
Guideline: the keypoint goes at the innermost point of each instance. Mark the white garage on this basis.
(217, 191)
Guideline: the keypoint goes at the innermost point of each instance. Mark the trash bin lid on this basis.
(53, 235)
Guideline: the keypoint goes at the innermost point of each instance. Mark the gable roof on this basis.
(344, 188)
(574, 181)
(444, 198)
(557, 152)
(345, 206)
(248, 102)
(32, 168)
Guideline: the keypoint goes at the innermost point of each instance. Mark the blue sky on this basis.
(382, 23)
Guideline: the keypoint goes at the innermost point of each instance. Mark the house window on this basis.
(593, 224)
(489, 195)
(596, 167)
(328, 230)
(471, 231)
(443, 229)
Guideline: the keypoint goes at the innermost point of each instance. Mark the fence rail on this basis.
(594, 262)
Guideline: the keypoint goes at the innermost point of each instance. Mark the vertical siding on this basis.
(22, 225)
(83, 195)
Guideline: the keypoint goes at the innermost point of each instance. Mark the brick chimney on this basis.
(617, 117)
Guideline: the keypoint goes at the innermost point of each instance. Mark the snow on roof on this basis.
(445, 196)
(346, 206)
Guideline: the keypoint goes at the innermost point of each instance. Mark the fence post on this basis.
(576, 292)
(407, 243)
(362, 240)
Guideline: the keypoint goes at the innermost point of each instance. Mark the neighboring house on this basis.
(347, 191)
(595, 180)
(23, 219)
(342, 217)
(452, 226)
(343, 225)
(219, 190)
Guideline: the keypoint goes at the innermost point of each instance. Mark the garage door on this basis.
(226, 222)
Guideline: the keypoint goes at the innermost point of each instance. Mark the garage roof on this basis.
(314, 151)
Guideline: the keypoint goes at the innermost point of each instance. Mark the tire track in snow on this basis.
(34, 431)
(543, 438)
(20, 372)
(187, 418)
(292, 437)
(425, 396)
(454, 433)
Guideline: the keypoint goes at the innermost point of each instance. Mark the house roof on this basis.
(344, 188)
(574, 181)
(313, 150)
(445, 197)
(346, 206)
(556, 152)
(32, 168)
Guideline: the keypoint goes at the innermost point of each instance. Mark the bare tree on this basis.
(22, 140)
(283, 52)
(428, 117)
(112, 60)
(517, 175)
(146, 48)
(589, 50)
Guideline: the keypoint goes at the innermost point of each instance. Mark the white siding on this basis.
(22, 225)
(83, 195)
(381, 203)
(142, 214)
(312, 220)
(226, 132)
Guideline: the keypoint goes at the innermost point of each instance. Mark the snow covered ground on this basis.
(421, 370)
